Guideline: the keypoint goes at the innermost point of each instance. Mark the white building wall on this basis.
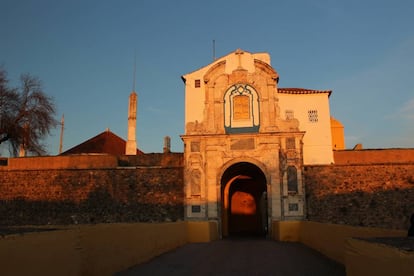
(194, 100)
(317, 141)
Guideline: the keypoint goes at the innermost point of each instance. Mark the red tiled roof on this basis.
(302, 91)
(105, 142)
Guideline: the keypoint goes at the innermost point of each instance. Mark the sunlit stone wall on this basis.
(123, 193)
(376, 195)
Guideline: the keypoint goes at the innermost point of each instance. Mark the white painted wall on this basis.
(317, 141)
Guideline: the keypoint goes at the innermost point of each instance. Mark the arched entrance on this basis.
(243, 201)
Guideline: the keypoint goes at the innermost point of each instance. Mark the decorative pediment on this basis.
(267, 69)
(216, 69)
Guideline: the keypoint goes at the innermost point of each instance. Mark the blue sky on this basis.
(83, 51)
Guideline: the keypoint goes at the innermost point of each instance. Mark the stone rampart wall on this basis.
(92, 195)
(375, 195)
(99, 189)
(60, 162)
(371, 156)
(91, 161)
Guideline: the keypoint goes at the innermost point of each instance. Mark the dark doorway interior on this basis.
(244, 205)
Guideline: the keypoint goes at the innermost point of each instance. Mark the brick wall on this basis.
(93, 195)
(377, 195)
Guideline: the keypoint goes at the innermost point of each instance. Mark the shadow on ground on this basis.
(239, 256)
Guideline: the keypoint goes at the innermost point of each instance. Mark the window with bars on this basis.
(197, 83)
(313, 115)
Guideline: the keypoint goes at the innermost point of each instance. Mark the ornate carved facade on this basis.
(243, 158)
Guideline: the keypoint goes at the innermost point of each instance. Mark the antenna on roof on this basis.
(214, 49)
(135, 70)
(62, 128)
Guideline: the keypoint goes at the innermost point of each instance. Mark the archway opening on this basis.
(243, 201)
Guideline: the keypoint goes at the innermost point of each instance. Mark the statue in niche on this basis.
(282, 161)
(276, 108)
(292, 176)
(195, 178)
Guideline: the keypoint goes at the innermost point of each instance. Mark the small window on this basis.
(290, 143)
(293, 207)
(195, 209)
(289, 115)
(313, 115)
(197, 83)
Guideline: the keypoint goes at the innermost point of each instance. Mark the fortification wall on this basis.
(375, 195)
(153, 159)
(372, 156)
(60, 162)
(91, 161)
(42, 193)
(377, 192)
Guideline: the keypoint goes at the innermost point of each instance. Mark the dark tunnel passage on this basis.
(244, 201)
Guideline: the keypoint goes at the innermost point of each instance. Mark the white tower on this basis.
(131, 145)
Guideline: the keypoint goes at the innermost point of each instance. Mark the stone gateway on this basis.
(246, 142)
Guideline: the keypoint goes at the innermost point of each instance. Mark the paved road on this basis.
(239, 257)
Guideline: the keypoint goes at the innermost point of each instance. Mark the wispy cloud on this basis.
(404, 112)
(407, 110)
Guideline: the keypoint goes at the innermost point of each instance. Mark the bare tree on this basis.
(26, 115)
